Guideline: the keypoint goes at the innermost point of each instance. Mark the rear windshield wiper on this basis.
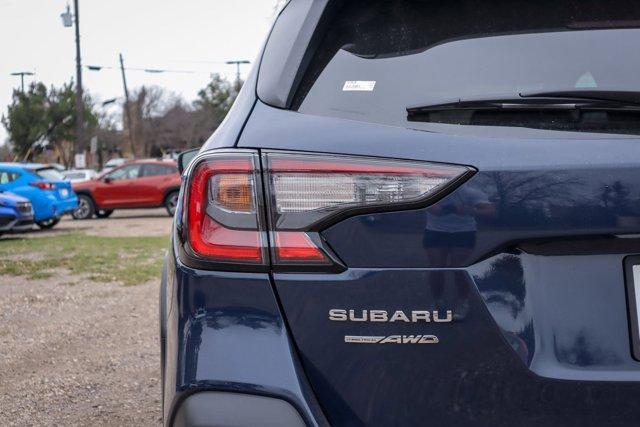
(559, 100)
(622, 96)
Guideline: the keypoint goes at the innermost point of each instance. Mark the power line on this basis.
(146, 70)
(162, 70)
(196, 62)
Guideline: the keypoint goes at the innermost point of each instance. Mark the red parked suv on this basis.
(136, 184)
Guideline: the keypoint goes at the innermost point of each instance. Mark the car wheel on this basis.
(104, 213)
(86, 208)
(171, 202)
(48, 223)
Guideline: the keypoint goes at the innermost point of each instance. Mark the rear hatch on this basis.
(510, 300)
(61, 187)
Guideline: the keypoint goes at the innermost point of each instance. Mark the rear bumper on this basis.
(66, 206)
(214, 408)
(55, 208)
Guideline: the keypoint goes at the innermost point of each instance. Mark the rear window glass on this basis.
(379, 57)
(156, 169)
(7, 177)
(50, 174)
(125, 172)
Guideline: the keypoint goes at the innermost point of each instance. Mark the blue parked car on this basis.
(16, 213)
(45, 187)
(417, 213)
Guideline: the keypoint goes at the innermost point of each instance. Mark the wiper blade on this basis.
(539, 101)
(495, 104)
(622, 96)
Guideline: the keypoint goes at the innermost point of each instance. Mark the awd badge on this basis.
(392, 339)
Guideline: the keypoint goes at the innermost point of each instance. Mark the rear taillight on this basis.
(43, 185)
(225, 223)
(228, 221)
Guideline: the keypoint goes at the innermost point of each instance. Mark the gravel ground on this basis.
(134, 222)
(81, 354)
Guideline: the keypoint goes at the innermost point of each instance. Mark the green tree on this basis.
(216, 98)
(26, 118)
(45, 115)
(211, 107)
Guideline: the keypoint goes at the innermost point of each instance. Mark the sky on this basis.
(188, 35)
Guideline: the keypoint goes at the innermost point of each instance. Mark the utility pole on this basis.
(22, 74)
(237, 64)
(127, 107)
(68, 20)
(79, 102)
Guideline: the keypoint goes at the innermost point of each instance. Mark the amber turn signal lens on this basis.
(234, 192)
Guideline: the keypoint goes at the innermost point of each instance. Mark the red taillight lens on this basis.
(223, 218)
(43, 185)
(213, 240)
(295, 247)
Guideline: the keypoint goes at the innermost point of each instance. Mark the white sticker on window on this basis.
(358, 86)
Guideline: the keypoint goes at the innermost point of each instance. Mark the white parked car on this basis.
(79, 175)
(113, 163)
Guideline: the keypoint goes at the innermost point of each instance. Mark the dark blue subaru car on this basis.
(16, 213)
(417, 213)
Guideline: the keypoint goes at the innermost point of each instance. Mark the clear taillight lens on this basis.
(224, 216)
(299, 192)
(307, 190)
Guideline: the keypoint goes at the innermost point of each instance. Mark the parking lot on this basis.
(78, 305)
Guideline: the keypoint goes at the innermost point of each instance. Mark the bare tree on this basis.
(176, 128)
(6, 152)
(162, 121)
(111, 139)
(148, 103)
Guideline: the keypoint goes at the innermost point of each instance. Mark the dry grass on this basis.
(127, 260)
